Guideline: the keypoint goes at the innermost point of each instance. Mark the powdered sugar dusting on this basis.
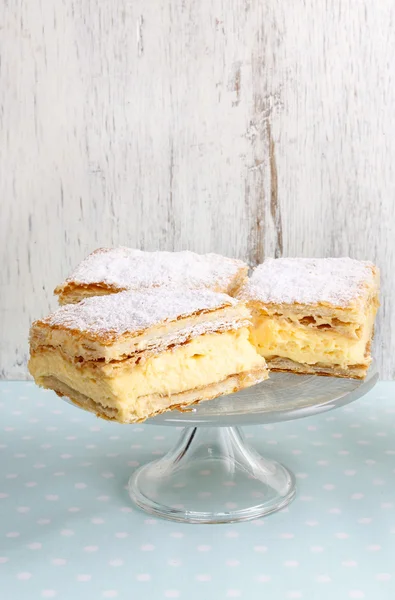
(335, 281)
(126, 268)
(111, 316)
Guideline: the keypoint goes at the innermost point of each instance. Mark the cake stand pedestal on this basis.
(212, 475)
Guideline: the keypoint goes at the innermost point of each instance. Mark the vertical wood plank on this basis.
(243, 127)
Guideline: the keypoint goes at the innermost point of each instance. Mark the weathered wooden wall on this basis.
(248, 127)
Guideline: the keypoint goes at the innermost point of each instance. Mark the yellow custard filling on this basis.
(204, 360)
(277, 336)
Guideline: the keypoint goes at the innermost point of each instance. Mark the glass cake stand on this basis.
(212, 475)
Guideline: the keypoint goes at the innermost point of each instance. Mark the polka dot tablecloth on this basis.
(69, 531)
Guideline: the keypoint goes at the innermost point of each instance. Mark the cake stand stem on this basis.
(212, 476)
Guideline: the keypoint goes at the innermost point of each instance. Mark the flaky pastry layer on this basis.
(158, 404)
(111, 270)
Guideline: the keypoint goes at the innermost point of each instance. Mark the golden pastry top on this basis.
(339, 282)
(118, 269)
(118, 325)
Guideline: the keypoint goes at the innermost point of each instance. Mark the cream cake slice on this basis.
(314, 315)
(133, 355)
(111, 270)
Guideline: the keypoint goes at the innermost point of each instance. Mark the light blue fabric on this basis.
(69, 531)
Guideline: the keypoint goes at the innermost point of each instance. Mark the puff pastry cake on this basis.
(133, 355)
(314, 315)
(110, 270)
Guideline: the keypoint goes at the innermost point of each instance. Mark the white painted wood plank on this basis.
(238, 126)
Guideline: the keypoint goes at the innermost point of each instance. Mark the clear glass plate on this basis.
(282, 397)
(212, 475)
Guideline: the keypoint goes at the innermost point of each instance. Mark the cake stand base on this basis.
(212, 476)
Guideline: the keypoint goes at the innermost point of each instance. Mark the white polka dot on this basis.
(31, 484)
(378, 482)
(143, 577)
(306, 498)
(110, 594)
(233, 562)
(150, 521)
(66, 456)
(205, 472)
(49, 593)
(342, 536)
(374, 548)
(349, 563)
(233, 594)
(91, 548)
(59, 561)
(263, 578)
(204, 548)
(316, 549)
(84, 577)
(344, 452)
(291, 563)
(383, 576)
(13, 534)
(335, 511)
(11, 475)
(80, 486)
(287, 536)
(67, 532)
(229, 483)
(35, 546)
(174, 562)
(357, 496)
(23, 509)
(3, 495)
(232, 534)
(296, 452)
(172, 594)
(230, 505)
(3, 559)
(350, 472)
(126, 509)
(301, 475)
(39, 466)
(107, 475)
(24, 576)
(147, 547)
(103, 498)
(311, 523)
(386, 505)
(323, 463)
(323, 579)
(370, 461)
(294, 594)
(204, 494)
(260, 548)
(121, 534)
(73, 509)
(133, 463)
(203, 577)
(329, 487)
(177, 534)
(52, 497)
(43, 521)
(97, 521)
(45, 446)
(365, 520)
(116, 562)
(356, 594)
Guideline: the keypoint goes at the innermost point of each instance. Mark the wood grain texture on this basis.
(243, 127)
